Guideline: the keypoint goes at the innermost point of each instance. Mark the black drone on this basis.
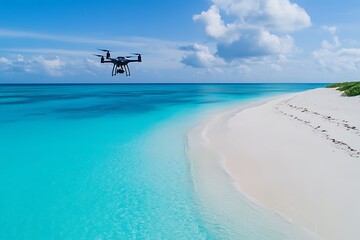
(120, 63)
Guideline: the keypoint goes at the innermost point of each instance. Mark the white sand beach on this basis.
(298, 156)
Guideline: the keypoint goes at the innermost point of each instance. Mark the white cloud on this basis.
(215, 27)
(48, 51)
(93, 63)
(5, 61)
(243, 68)
(279, 15)
(328, 45)
(335, 58)
(20, 58)
(256, 43)
(253, 28)
(335, 40)
(214, 24)
(330, 29)
(276, 67)
(199, 56)
(54, 67)
(123, 42)
(158, 55)
(5, 64)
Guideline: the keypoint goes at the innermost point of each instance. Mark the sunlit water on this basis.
(108, 161)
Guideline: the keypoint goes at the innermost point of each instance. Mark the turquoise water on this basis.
(108, 161)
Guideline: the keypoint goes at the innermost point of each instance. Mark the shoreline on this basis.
(215, 184)
(269, 155)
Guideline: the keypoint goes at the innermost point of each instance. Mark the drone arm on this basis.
(131, 60)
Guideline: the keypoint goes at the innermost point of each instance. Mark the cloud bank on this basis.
(249, 29)
(73, 57)
(49, 66)
(333, 57)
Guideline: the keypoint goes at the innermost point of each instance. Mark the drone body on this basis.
(120, 63)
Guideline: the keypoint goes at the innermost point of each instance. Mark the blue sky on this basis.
(188, 41)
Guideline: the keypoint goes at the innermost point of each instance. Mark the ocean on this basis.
(109, 162)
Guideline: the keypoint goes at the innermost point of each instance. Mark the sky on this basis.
(188, 41)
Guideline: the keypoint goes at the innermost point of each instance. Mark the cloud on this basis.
(54, 67)
(49, 62)
(5, 61)
(72, 59)
(330, 29)
(276, 67)
(275, 15)
(335, 58)
(199, 56)
(255, 43)
(215, 26)
(335, 40)
(5, 33)
(48, 51)
(252, 28)
(5, 64)
(157, 53)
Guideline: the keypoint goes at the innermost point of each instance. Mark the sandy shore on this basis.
(298, 156)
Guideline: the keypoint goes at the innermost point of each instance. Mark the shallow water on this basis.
(108, 161)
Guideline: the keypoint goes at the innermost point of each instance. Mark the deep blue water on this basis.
(108, 161)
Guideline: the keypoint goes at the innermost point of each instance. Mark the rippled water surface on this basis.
(108, 161)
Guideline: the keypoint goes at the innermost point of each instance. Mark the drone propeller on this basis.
(104, 50)
(98, 55)
(137, 54)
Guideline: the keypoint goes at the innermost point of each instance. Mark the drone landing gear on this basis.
(121, 70)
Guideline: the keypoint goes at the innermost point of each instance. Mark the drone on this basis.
(120, 63)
